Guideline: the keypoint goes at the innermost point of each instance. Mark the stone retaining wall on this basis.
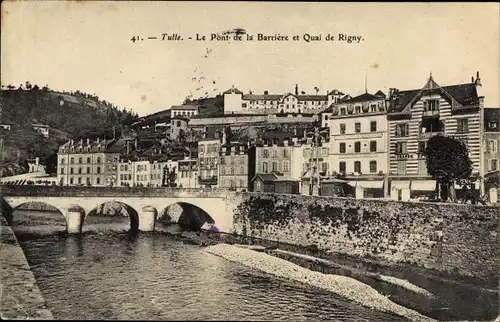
(19, 294)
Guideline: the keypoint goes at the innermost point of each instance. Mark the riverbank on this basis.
(346, 287)
(437, 297)
(20, 296)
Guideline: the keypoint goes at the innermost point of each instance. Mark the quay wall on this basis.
(456, 241)
(21, 297)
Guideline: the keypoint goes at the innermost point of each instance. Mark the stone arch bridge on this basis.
(143, 205)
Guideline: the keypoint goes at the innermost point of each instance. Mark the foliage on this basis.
(447, 159)
(170, 176)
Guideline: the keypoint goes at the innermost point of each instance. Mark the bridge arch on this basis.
(129, 211)
(37, 213)
(186, 215)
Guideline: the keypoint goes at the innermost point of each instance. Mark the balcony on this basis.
(430, 113)
(402, 156)
(208, 181)
(428, 135)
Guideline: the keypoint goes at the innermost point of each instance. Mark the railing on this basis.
(402, 156)
(427, 135)
(430, 113)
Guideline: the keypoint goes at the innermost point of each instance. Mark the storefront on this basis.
(400, 190)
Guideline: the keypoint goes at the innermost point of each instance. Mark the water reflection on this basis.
(110, 275)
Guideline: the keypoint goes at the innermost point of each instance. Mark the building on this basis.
(178, 127)
(208, 162)
(274, 183)
(87, 162)
(42, 128)
(234, 166)
(125, 174)
(236, 102)
(418, 114)
(491, 140)
(187, 172)
(359, 143)
(186, 110)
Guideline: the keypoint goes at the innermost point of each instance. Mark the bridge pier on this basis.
(147, 218)
(74, 220)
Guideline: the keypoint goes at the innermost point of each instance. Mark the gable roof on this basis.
(463, 94)
(233, 90)
(362, 98)
(266, 177)
(381, 94)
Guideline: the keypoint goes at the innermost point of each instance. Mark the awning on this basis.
(423, 185)
(352, 183)
(400, 184)
(372, 184)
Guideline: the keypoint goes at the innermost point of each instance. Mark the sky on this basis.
(87, 46)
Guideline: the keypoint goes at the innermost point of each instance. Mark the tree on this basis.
(169, 177)
(447, 162)
(316, 89)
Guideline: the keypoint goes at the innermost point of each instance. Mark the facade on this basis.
(315, 165)
(284, 158)
(87, 162)
(491, 140)
(187, 173)
(186, 111)
(234, 166)
(274, 183)
(125, 174)
(416, 115)
(208, 162)
(235, 102)
(178, 124)
(359, 143)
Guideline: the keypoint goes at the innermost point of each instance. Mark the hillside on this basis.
(68, 114)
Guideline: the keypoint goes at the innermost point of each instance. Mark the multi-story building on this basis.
(178, 127)
(235, 102)
(186, 111)
(491, 140)
(208, 162)
(416, 115)
(358, 143)
(234, 166)
(187, 173)
(87, 162)
(125, 174)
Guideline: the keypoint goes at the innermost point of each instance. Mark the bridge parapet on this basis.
(71, 191)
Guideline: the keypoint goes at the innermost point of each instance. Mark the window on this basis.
(79, 170)
(324, 167)
(275, 153)
(342, 128)
(80, 161)
(493, 164)
(373, 107)
(342, 168)
(72, 160)
(265, 153)
(62, 161)
(493, 146)
(357, 166)
(98, 169)
(264, 167)
(98, 160)
(79, 180)
(286, 166)
(97, 180)
(400, 147)
(373, 166)
(373, 126)
(88, 160)
(178, 123)
(462, 125)
(62, 170)
(421, 147)
(401, 167)
(285, 153)
(342, 111)
(358, 109)
(373, 146)
(70, 170)
(357, 146)
(71, 180)
(275, 166)
(431, 105)
(402, 130)
(357, 127)
(342, 147)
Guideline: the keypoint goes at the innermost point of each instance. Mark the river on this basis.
(107, 273)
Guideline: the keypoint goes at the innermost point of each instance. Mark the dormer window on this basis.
(358, 109)
(431, 105)
(493, 125)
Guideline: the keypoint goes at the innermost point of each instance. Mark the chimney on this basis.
(472, 79)
(296, 89)
(478, 80)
